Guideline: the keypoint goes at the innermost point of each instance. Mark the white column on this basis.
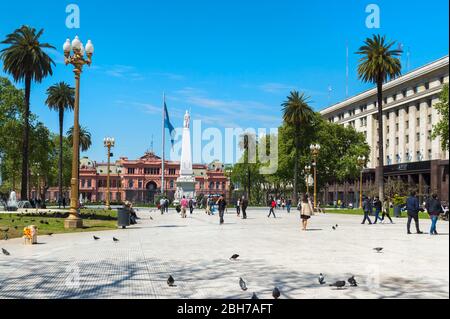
(401, 134)
(412, 132)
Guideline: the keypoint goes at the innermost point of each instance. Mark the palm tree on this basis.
(26, 61)
(60, 97)
(378, 64)
(85, 142)
(296, 113)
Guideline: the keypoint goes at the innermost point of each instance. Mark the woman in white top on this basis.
(306, 211)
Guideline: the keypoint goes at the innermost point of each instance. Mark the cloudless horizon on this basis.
(232, 63)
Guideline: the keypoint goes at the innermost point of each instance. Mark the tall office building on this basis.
(408, 119)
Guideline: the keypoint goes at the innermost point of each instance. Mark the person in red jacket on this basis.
(273, 205)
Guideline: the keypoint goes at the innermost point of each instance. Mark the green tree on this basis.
(26, 61)
(441, 128)
(297, 113)
(60, 97)
(378, 64)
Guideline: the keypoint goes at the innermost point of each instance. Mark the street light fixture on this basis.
(361, 163)
(307, 174)
(315, 151)
(109, 142)
(78, 60)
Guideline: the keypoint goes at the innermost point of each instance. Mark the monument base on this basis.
(185, 187)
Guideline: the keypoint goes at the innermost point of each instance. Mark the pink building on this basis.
(139, 181)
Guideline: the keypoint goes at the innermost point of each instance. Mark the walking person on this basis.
(64, 202)
(386, 211)
(367, 207)
(412, 206)
(238, 207)
(306, 211)
(222, 204)
(434, 208)
(162, 205)
(273, 205)
(184, 205)
(378, 208)
(191, 206)
(244, 206)
(288, 205)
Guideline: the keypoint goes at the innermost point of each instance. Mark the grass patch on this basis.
(53, 222)
(360, 212)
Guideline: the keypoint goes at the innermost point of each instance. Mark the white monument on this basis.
(186, 181)
(12, 204)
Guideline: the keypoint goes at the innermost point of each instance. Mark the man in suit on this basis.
(413, 207)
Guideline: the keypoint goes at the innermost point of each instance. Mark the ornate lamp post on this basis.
(315, 150)
(307, 174)
(78, 60)
(361, 164)
(109, 142)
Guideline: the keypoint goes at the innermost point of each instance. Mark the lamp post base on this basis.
(73, 222)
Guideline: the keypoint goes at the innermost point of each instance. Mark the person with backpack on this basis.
(413, 207)
(367, 207)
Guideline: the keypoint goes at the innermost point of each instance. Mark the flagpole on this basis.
(163, 144)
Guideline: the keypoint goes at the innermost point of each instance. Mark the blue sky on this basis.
(231, 62)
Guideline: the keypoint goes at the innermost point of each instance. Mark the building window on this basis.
(416, 89)
(397, 127)
(114, 183)
(387, 143)
(405, 93)
(407, 157)
(442, 80)
(130, 184)
(202, 185)
(211, 185)
(396, 141)
(388, 129)
(430, 119)
(430, 155)
(89, 183)
(397, 113)
(131, 171)
(407, 124)
(172, 171)
(427, 86)
(407, 139)
(418, 137)
(140, 185)
(418, 157)
(224, 185)
(430, 103)
(418, 122)
(429, 135)
(418, 107)
(388, 114)
(172, 184)
(363, 122)
(407, 110)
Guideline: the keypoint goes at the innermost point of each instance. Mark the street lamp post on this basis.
(78, 60)
(315, 150)
(109, 142)
(307, 173)
(361, 163)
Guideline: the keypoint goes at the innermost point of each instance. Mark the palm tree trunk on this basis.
(60, 176)
(297, 148)
(25, 140)
(380, 169)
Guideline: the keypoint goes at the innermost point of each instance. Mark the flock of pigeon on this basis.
(276, 293)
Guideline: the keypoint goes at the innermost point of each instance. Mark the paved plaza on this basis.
(196, 252)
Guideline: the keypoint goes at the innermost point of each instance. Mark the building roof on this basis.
(430, 67)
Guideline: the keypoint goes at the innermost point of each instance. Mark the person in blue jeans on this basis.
(367, 207)
(413, 207)
(378, 207)
(434, 208)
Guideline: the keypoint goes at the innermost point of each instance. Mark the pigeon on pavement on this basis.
(276, 293)
(352, 281)
(115, 239)
(378, 249)
(234, 257)
(254, 297)
(243, 284)
(96, 238)
(322, 279)
(5, 252)
(338, 284)
(171, 281)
